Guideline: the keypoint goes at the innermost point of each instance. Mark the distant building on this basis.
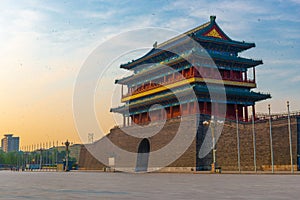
(10, 143)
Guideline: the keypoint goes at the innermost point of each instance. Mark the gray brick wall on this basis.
(226, 145)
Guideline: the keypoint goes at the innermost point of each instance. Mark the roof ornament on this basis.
(212, 18)
(155, 44)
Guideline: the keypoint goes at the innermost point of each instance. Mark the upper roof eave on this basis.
(245, 61)
(243, 45)
(195, 33)
(253, 96)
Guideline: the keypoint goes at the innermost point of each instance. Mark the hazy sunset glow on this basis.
(45, 43)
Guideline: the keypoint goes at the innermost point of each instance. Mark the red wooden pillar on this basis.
(253, 111)
(236, 110)
(216, 107)
(240, 112)
(188, 108)
(246, 76)
(205, 107)
(140, 118)
(180, 110)
(195, 106)
(148, 117)
(124, 120)
(171, 111)
(246, 113)
(190, 72)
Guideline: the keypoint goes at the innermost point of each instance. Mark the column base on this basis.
(213, 168)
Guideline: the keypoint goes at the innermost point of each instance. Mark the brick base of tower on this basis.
(226, 148)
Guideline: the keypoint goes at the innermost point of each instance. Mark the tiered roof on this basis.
(232, 60)
(152, 66)
(209, 32)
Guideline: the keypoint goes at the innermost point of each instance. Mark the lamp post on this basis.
(271, 138)
(254, 143)
(56, 153)
(26, 156)
(238, 139)
(67, 143)
(41, 158)
(290, 136)
(213, 124)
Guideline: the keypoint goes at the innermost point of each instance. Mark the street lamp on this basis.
(67, 143)
(290, 136)
(254, 143)
(238, 139)
(271, 138)
(213, 125)
(41, 158)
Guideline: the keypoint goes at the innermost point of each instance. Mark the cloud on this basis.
(108, 14)
(296, 78)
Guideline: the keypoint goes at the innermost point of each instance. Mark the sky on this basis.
(45, 43)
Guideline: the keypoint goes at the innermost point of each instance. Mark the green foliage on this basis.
(10, 158)
(48, 157)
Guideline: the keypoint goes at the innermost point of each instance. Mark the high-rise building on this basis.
(10, 143)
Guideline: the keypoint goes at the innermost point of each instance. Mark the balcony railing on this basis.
(177, 79)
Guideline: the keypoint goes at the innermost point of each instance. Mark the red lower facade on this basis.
(194, 108)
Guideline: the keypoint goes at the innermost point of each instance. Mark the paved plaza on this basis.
(96, 185)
